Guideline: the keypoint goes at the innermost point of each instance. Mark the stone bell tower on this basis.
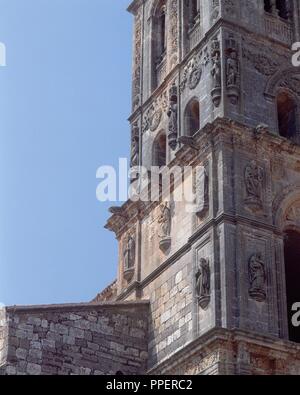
(214, 89)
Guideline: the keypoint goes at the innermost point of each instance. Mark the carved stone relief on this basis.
(254, 185)
(164, 221)
(134, 158)
(173, 12)
(173, 114)
(192, 73)
(257, 278)
(153, 116)
(202, 191)
(232, 70)
(129, 257)
(136, 88)
(202, 282)
(216, 72)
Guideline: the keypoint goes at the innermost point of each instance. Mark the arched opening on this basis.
(277, 7)
(287, 116)
(282, 8)
(159, 40)
(160, 150)
(268, 7)
(193, 13)
(292, 273)
(192, 117)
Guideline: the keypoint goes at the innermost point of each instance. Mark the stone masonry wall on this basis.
(83, 339)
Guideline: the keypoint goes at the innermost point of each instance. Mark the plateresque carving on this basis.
(254, 182)
(257, 278)
(129, 258)
(164, 221)
(172, 114)
(202, 284)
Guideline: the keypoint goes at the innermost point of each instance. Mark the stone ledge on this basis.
(76, 306)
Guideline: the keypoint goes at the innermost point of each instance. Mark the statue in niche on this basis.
(232, 70)
(202, 191)
(165, 221)
(216, 70)
(134, 146)
(172, 114)
(254, 180)
(129, 257)
(165, 227)
(257, 278)
(203, 282)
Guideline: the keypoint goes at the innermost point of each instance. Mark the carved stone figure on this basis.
(129, 257)
(232, 70)
(257, 278)
(172, 114)
(254, 180)
(165, 221)
(216, 70)
(203, 282)
(134, 146)
(202, 191)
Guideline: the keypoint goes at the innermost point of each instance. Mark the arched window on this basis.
(292, 274)
(268, 7)
(192, 117)
(277, 7)
(159, 40)
(282, 8)
(287, 116)
(160, 150)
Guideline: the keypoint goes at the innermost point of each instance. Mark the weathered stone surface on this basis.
(71, 343)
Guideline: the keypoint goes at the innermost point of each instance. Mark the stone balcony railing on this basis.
(161, 71)
(195, 36)
(279, 29)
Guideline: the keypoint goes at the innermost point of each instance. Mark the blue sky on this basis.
(64, 102)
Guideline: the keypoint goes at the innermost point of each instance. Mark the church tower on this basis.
(214, 91)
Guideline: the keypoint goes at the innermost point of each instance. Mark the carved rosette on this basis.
(257, 278)
(154, 113)
(192, 73)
